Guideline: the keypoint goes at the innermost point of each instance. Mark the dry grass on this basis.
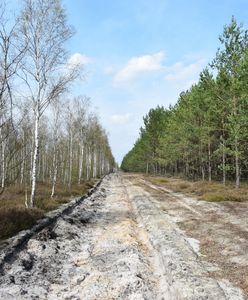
(208, 191)
(233, 196)
(14, 216)
(163, 180)
(17, 218)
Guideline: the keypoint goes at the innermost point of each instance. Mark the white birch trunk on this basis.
(81, 158)
(94, 164)
(3, 164)
(23, 160)
(35, 159)
(88, 165)
(31, 161)
(70, 160)
(55, 171)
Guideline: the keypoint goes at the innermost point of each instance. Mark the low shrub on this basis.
(62, 200)
(218, 197)
(17, 218)
(47, 204)
(163, 180)
(183, 186)
(214, 197)
(237, 197)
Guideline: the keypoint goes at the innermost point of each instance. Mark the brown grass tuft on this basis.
(17, 218)
(183, 186)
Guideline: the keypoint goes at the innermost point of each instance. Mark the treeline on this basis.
(45, 134)
(205, 135)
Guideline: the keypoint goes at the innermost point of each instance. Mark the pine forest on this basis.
(205, 134)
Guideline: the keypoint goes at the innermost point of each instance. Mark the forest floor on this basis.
(14, 216)
(134, 239)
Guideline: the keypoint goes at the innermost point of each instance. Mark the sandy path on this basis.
(118, 244)
(220, 228)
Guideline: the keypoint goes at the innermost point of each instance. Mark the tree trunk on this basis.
(31, 162)
(237, 170)
(55, 171)
(89, 166)
(203, 173)
(175, 168)
(187, 168)
(209, 162)
(147, 168)
(35, 159)
(44, 163)
(3, 164)
(81, 157)
(23, 159)
(92, 174)
(70, 161)
(223, 163)
(94, 163)
(237, 167)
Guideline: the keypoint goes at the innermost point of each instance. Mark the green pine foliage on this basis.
(205, 135)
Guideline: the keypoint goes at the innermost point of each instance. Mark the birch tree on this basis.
(55, 144)
(44, 31)
(82, 106)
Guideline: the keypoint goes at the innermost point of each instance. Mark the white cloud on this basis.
(78, 59)
(109, 70)
(139, 65)
(120, 119)
(181, 71)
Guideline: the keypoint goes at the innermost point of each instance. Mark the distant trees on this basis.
(45, 134)
(205, 134)
(11, 55)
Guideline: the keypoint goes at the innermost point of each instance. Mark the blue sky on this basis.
(142, 53)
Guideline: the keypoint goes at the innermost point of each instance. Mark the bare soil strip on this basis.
(120, 243)
(221, 229)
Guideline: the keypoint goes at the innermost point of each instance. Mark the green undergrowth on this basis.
(14, 216)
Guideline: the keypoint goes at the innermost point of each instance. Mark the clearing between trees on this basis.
(133, 239)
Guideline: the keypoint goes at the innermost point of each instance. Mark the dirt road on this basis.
(123, 242)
